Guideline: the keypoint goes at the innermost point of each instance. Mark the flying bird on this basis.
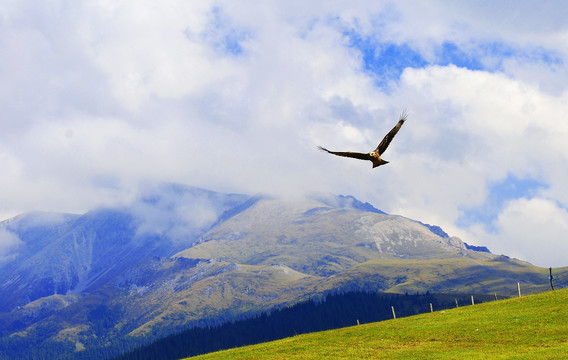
(375, 155)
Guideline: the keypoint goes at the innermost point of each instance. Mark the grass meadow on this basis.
(530, 327)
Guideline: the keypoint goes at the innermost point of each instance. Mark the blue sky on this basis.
(498, 195)
(98, 99)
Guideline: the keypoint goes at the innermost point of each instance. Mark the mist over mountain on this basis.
(180, 256)
(69, 254)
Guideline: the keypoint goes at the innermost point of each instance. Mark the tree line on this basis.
(329, 312)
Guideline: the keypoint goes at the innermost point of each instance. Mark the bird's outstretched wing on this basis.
(355, 155)
(388, 138)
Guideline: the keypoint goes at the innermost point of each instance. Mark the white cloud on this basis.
(468, 129)
(149, 50)
(9, 243)
(532, 229)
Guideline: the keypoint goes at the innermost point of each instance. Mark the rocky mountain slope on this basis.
(180, 256)
(321, 240)
(71, 254)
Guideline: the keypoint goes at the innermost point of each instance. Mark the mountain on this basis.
(320, 240)
(70, 254)
(179, 256)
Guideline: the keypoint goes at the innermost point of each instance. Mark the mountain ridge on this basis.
(83, 249)
(180, 256)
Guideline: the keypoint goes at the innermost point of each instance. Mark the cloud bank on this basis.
(98, 97)
(9, 244)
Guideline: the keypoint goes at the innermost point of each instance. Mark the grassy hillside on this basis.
(455, 275)
(529, 327)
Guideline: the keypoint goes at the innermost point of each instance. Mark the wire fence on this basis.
(522, 288)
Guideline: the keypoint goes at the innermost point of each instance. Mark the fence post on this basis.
(393, 313)
(472, 302)
(495, 296)
(431, 309)
(456, 303)
(519, 288)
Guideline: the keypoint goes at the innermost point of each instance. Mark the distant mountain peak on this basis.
(347, 201)
(436, 230)
(477, 248)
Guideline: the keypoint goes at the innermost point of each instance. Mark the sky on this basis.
(101, 98)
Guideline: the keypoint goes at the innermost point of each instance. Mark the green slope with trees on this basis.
(519, 328)
(323, 313)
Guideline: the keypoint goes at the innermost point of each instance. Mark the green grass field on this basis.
(531, 327)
